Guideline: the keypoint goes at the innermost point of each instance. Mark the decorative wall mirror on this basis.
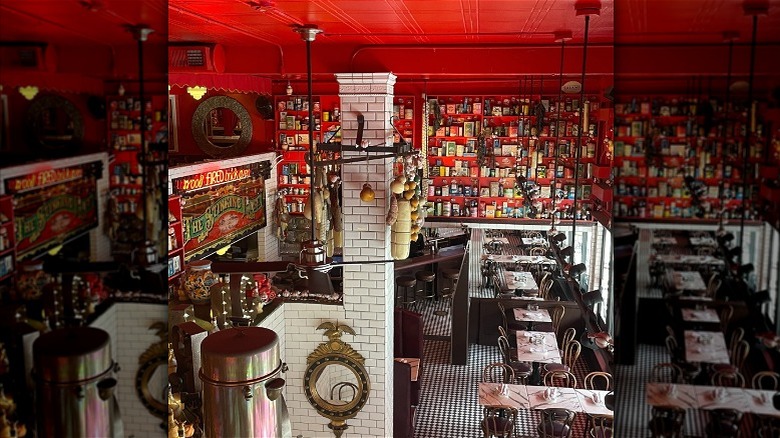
(222, 127)
(336, 382)
(151, 379)
(54, 124)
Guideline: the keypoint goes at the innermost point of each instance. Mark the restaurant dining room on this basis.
(314, 218)
(409, 238)
(696, 234)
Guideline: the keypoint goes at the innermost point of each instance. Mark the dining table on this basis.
(567, 398)
(706, 346)
(688, 281)
(522, 281)
(593, 405)
(534, 241)
(536, 397)
(519, 259)
(687, 260)
(664, 240)
(531, 316)
(703, 241)
(704, 397)
(538, 347)
(707, 315)
(670, 395)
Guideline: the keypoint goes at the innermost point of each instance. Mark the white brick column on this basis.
(368, 288)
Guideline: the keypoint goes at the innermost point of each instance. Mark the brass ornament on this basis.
(199, 133)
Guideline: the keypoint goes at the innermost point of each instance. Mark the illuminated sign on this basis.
(43, 179)
(212, 178)
(52, 207)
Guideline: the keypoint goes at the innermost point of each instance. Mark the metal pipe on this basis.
(556, 148)
(746, 140)
(727, 110)
(144, 152)
(311, 138)
(578, 152)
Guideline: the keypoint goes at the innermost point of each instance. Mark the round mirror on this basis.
(55, 124)
(222, 127)
(337, 384)
(152, 385)
(151, 379)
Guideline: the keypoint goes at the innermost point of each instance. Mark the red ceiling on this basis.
(360, 22)
(691, 21)
(81, 23)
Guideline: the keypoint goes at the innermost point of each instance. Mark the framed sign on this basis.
(220, 207)
(53, 206)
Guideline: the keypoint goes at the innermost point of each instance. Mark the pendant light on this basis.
(313, 255)
(583, 8)
(752, 8)
(560, 36)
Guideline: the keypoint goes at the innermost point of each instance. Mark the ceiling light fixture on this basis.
(29, 92)
(197, 92)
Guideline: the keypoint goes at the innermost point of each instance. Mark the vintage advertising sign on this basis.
(220, 207)
(53, 206)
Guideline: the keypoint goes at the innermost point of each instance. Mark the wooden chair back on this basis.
(769, 380)
(498, 372)
(598, 380)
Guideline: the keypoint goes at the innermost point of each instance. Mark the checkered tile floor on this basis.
(448, 403)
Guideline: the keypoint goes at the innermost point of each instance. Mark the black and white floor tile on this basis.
(448, 404)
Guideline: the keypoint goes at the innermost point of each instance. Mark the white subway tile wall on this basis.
(368, 289)
(132, 338)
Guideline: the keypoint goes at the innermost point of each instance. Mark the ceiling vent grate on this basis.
(27, 56)
(196, 58)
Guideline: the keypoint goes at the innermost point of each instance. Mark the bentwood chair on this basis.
(556, 423)
(498, 373)
(601, 426)
(724, 423)
(731, 378)
(737, 354)
(508, 317)
(766, 380)
(667, 422)
(498, 421)
(557, 315)
(568, 335)
(725, 317)
(522, 370)
(766, 426)
(598, 380)
(666, 372)
(571, 352)
(561, 379)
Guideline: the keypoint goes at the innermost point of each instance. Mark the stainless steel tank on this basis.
(74, 384)
(240, 371)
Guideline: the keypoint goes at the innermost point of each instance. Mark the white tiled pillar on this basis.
(368, 288)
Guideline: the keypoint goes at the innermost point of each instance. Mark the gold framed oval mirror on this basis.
(222, 127)
(335, 381)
